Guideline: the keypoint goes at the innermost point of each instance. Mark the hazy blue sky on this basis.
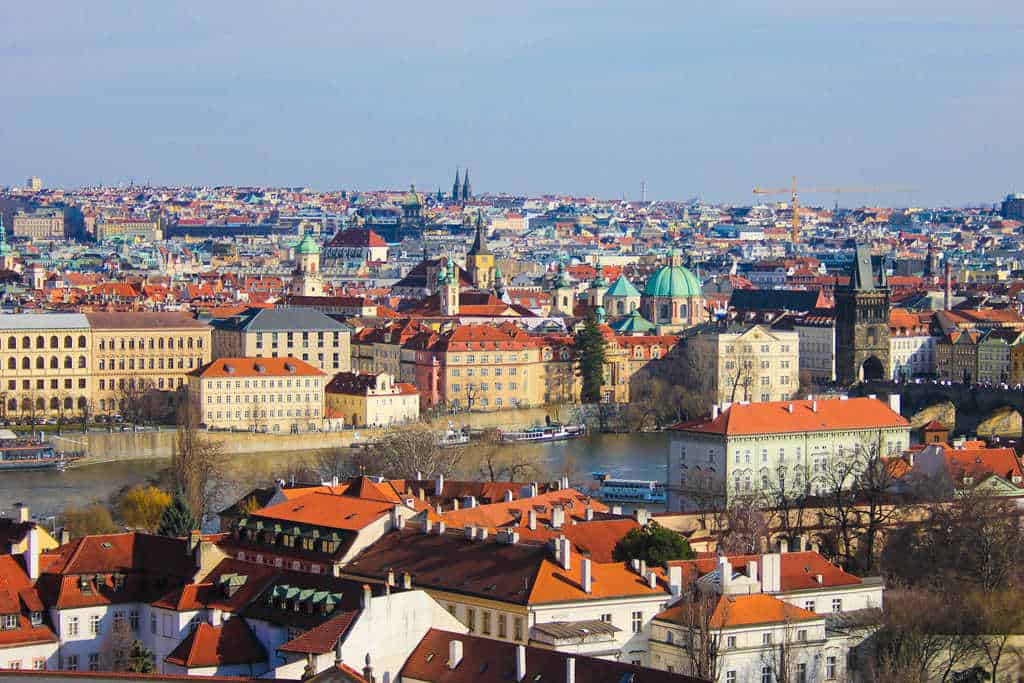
(701, 98)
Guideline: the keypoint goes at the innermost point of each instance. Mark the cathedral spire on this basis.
(480, 240)
(467, 189)
(456, 187)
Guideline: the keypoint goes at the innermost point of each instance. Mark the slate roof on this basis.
(797, 301)
(43, 321)
(280, 319)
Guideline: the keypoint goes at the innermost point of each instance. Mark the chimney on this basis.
(617, 510)
(714, 412)
(814, 406)
(652, 579)
(455, 503)
(570, 670)
(675, 579)
(724, 574)
(771, 573)
(642, 569)
(32, 552)
(819, 578)
(531, 519)
(21, 512)
(439, 486)
(641, 516)
(65, 537)
(585, 575)
(783, 545)
(588, 514)
(557, 516)
(391, 577)
(334, 481)
(752, 569)
(520, 663)
(508, 496)
(470, 532)
(454, 653)
(789, 407)
(565, 482)
(895, 403)
(427, 524)
(419, 475)
(564, 553)
(397, 521)
(407, 581)
(440, 528)
(534, 491)
(946, 300)
(367, 596)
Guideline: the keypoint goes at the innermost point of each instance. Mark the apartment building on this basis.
(46, 364)
(259, 394)
(41, 224)
(128, 228)
(752, 363)
(309, 335)
(366, 399)
(753, 449)
(911, 345)
(816, 333)
(137, 352)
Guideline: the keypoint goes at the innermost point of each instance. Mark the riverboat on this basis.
(629, 490)
(552, 432)
(20, 453)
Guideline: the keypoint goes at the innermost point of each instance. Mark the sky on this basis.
(701, 99)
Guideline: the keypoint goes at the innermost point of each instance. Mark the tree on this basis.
(142, 507)
(140, 660)
(197, 464)
(744, 527)
(91, 519)
(403, 451)
(591, 348)
(652, 543)
(702, 629)
(178, 519)
(499, 463)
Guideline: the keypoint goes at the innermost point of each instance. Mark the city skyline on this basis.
(576, 99)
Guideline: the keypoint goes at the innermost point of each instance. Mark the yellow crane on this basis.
(795, 191)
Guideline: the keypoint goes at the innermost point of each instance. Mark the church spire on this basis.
(480, 241)
(456, 187)
(467, 189)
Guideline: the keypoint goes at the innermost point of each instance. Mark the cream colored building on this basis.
(128, 228)
(45, 365)
(139, 351)
(753, 363)
(366, 399)
(308, 335)
(259, 394)
(45, 224)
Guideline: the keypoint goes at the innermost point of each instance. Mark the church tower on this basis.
(306, 279)
(598, 287)
(480, 261)
(456, 187)
(6, 253)
(467, 189)
(563, 296)
(862, 322)
(448, 288)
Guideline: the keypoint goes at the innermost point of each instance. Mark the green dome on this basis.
(673, 281)
(307, 245)
(411, 197)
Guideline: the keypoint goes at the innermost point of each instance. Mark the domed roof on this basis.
(307, 245)
(411, 197)
(674, 281)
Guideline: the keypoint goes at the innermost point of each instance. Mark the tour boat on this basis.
(629, 490)
(29, 454)
(552, 432)
(454, 437)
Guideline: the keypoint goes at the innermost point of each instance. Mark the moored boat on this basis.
(23, 453)
(552, 432)
(629, 490)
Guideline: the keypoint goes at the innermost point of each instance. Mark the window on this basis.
(766, 638)
(837, 605)
(94, 661)
(801, 673)
(486, 626)
(10, 622)
(72, 626)
(517, 629)
(830, 668)
(801, 635)
(133, 620)
(638, 621)
(502, 626)
(39, 664)
(94, 625)
(606, 618)
(766, 674)
(471, 619)
(730, 676)
(152, 621)
(71, 663)
(730, 642)
(810, 605)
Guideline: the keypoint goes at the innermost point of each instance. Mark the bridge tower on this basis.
(862, 322)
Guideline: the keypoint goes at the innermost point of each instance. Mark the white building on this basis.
(817, 341)
(748, 449)
(911, 345)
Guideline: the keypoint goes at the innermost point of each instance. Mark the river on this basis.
(47, 492)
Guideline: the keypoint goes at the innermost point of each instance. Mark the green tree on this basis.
(140, 660)
(591, 347)
(142, 507)
(178, 520)
(653, 544)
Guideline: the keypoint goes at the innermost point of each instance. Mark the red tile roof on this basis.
(775, 417)
(211, 646)
(258, 367)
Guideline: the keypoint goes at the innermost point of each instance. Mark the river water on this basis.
(47, 492)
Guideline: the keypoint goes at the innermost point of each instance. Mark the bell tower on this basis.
(862, 322)
(306, 279)
(448, 288)
(480, 259)
(563, 296)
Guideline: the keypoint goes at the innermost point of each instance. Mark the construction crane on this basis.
(795, 191)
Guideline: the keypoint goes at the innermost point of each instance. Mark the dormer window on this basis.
(10, 622)
(36, 618)
(968, 481)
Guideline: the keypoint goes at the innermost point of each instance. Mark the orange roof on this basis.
(797, 571)
(258, 367)
(608, 580)
(775, 417)
(326, 510)
(745, 610)
(505, 514)
(206, 646)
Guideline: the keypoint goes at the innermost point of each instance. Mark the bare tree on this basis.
(743, 527)
(702, 622)
(405, 450)
(501, 463)
(197, 463)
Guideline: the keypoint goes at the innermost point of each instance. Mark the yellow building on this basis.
(128, 228)
(301, 333)
(45, 365)
(259, 394)
(365, 399)
(479, 259)
(136, 352)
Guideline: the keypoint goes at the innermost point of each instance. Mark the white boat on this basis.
(552, 432)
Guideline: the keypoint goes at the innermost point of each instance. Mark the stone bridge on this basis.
(968, 409)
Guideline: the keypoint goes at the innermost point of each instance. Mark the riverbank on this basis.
(101, 446)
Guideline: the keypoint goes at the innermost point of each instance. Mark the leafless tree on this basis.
(743, 527)
(405, 450)
(702, 624)
(197, 463)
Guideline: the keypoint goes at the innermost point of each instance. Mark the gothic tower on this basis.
(862, 322)
(456, 187)
(448, 288)
(467, 189)
(480, 260)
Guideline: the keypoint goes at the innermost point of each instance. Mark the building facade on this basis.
(862, 322)
(41, 224)
(259, 394)
(372, 399)
(302, 333)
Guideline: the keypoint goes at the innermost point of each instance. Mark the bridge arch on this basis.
(1004, 420)
(871, 370)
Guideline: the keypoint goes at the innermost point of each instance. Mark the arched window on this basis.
(40, 363)
(40, 404)
(67, 362)
(67, 342)
(26, 342)
(54, 362)
(12, 343)
(54, 403)
(81, 361)
(26, 363)
(40, 342)
(54, 342)
(160, 343)
(81, 341)
(12, 404)
(69, 403)
(81, 402)
(12, 363)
